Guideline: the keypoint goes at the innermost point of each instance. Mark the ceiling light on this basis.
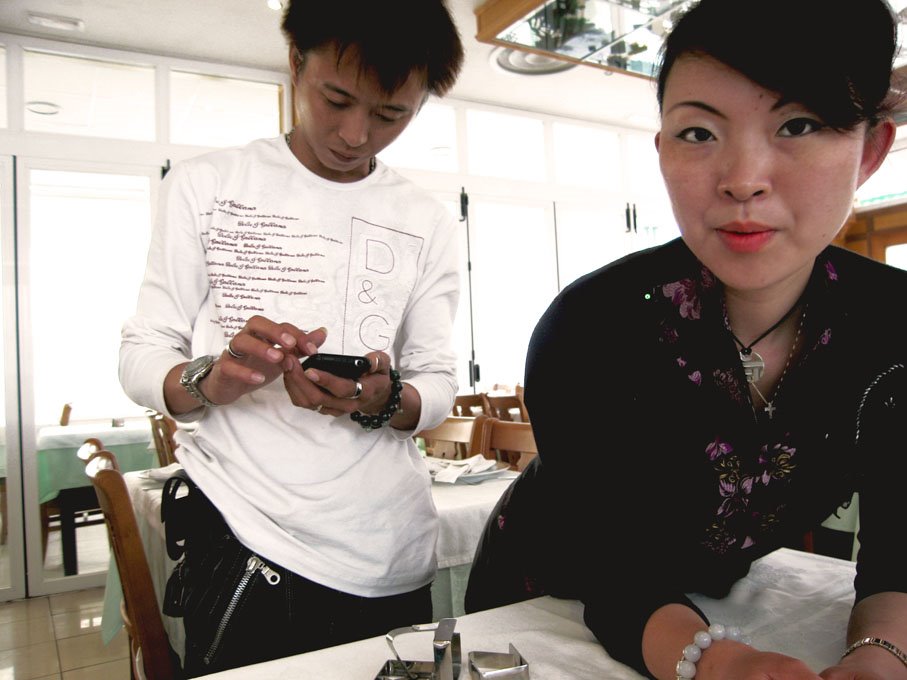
(42, 108)
(56, 22)
(527, 63)
(276, 5)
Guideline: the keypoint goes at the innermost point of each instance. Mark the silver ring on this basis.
(233, 353)
(318, 408)
(358, 391)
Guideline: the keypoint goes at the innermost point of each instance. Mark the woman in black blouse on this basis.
(749, 377)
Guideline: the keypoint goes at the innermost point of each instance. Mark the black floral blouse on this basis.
(658, 476)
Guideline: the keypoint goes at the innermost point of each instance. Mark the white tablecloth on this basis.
(462, 510)
(791, 602)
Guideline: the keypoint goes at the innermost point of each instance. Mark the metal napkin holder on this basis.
(494, 665)
(445, 664)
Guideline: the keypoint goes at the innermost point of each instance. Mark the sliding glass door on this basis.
(12, 565)
(82, 239)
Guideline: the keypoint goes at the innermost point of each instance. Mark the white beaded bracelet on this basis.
(686, 667)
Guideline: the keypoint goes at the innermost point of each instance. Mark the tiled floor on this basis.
(58, 637)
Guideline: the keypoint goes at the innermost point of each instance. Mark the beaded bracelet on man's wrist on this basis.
(380, 419)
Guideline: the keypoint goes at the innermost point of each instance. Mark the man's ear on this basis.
(296, 61)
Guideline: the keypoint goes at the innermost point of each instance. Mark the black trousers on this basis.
(239, 608)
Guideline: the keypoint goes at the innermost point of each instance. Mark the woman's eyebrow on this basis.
(698, 105)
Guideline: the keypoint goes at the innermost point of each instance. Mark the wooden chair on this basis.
(150, 651)
(90, 447)
(83, 506)
(456, 437)
(509, 441)
(501, 406)
(163, 428)
(469, 405)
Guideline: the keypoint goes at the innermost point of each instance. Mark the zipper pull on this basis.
(255, 563)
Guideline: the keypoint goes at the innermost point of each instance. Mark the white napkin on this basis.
(161, 474)
(448, 471)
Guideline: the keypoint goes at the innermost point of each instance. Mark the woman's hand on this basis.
(334, 396)
(747, 663)
(256, 355)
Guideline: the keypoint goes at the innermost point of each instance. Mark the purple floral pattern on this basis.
(750, 478)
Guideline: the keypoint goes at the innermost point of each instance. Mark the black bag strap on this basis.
(175, 514)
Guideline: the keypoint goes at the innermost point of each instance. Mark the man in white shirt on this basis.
(313, 523)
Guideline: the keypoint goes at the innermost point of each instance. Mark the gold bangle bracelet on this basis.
(877, 642)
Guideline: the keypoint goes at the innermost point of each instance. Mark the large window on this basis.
(429, 143)
(88, 237)
(504, 145)
(77, 96)
(208, 110)
(2, 87)
(586, 156)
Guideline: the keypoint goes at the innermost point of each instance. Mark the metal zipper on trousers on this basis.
(253, 564)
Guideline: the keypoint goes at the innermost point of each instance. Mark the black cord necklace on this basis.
(753, 363)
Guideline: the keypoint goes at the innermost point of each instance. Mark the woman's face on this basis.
(758, 187)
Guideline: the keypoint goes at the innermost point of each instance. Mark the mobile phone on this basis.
(343, 365)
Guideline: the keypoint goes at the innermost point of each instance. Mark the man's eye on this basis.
(336, 104)
(695, 135)
(798, 127)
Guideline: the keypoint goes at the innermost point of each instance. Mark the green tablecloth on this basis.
(60, 468)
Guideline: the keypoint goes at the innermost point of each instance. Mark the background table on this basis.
(791, 602)
(59, 468)
(462, 509)
(61, 474)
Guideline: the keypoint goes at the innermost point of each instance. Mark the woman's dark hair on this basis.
(391, 38)
(832, 56)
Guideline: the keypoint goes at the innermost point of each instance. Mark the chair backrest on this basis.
(149, 645)
(510, 442)
(500, 406)
(469, 405)
(456, 437)
(162, 429)
(90, 447)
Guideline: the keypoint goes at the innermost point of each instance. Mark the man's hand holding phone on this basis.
(342, 365)
(338, 384)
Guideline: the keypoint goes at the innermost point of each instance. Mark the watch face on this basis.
(198, 368)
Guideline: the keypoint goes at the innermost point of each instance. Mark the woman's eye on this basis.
(336, 104)
(797, 127)
(695, 135)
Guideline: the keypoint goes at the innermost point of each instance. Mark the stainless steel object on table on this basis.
(446, 661)
(494, 665)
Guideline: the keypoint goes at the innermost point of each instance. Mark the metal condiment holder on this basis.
(446, 661)
(494, 665)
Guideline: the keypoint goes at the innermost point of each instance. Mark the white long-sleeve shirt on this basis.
(251, 231)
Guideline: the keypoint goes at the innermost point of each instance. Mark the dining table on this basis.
(61, 473)
(463, 509)
(790, 602)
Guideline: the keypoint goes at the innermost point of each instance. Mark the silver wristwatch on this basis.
(192, 375)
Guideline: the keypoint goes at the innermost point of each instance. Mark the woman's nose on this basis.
(745, 172)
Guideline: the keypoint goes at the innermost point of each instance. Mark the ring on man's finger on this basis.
(318, 408)
(233, 353)
(358, 391)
